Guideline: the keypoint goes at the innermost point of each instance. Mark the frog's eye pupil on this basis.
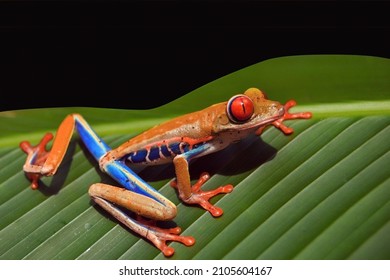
(240, 108)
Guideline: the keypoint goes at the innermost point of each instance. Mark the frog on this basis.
(177, 141)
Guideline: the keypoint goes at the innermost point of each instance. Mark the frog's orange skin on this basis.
(178, 140)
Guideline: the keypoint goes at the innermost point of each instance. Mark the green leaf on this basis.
(321, 193)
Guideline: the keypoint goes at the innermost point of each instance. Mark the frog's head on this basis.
(247, 112)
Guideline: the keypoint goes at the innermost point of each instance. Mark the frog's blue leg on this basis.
(117, 169)
(136, 195)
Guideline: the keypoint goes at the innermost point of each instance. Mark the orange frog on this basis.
(178, 140)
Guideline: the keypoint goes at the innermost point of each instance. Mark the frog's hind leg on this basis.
(109, 197)
(143, 200)
(136, 196)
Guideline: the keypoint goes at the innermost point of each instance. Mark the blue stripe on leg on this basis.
(96, 146)
(127, 178)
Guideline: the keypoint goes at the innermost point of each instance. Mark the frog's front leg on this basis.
(138, 196)
(193, 194)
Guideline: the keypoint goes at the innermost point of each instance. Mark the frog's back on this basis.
(173, 137)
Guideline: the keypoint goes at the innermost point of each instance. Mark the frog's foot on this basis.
(36, 158)
(202, 197)
(290, 116)
(159, 236)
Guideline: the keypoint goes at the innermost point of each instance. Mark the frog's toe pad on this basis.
(159, 237)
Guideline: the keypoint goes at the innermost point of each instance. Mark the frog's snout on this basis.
(276, 109)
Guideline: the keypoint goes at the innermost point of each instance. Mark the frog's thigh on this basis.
(137, 203)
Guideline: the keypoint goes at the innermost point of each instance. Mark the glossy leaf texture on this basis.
(320, 193)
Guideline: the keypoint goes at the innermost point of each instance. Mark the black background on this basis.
(142, 54)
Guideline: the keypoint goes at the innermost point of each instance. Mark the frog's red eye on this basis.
(240, 108)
